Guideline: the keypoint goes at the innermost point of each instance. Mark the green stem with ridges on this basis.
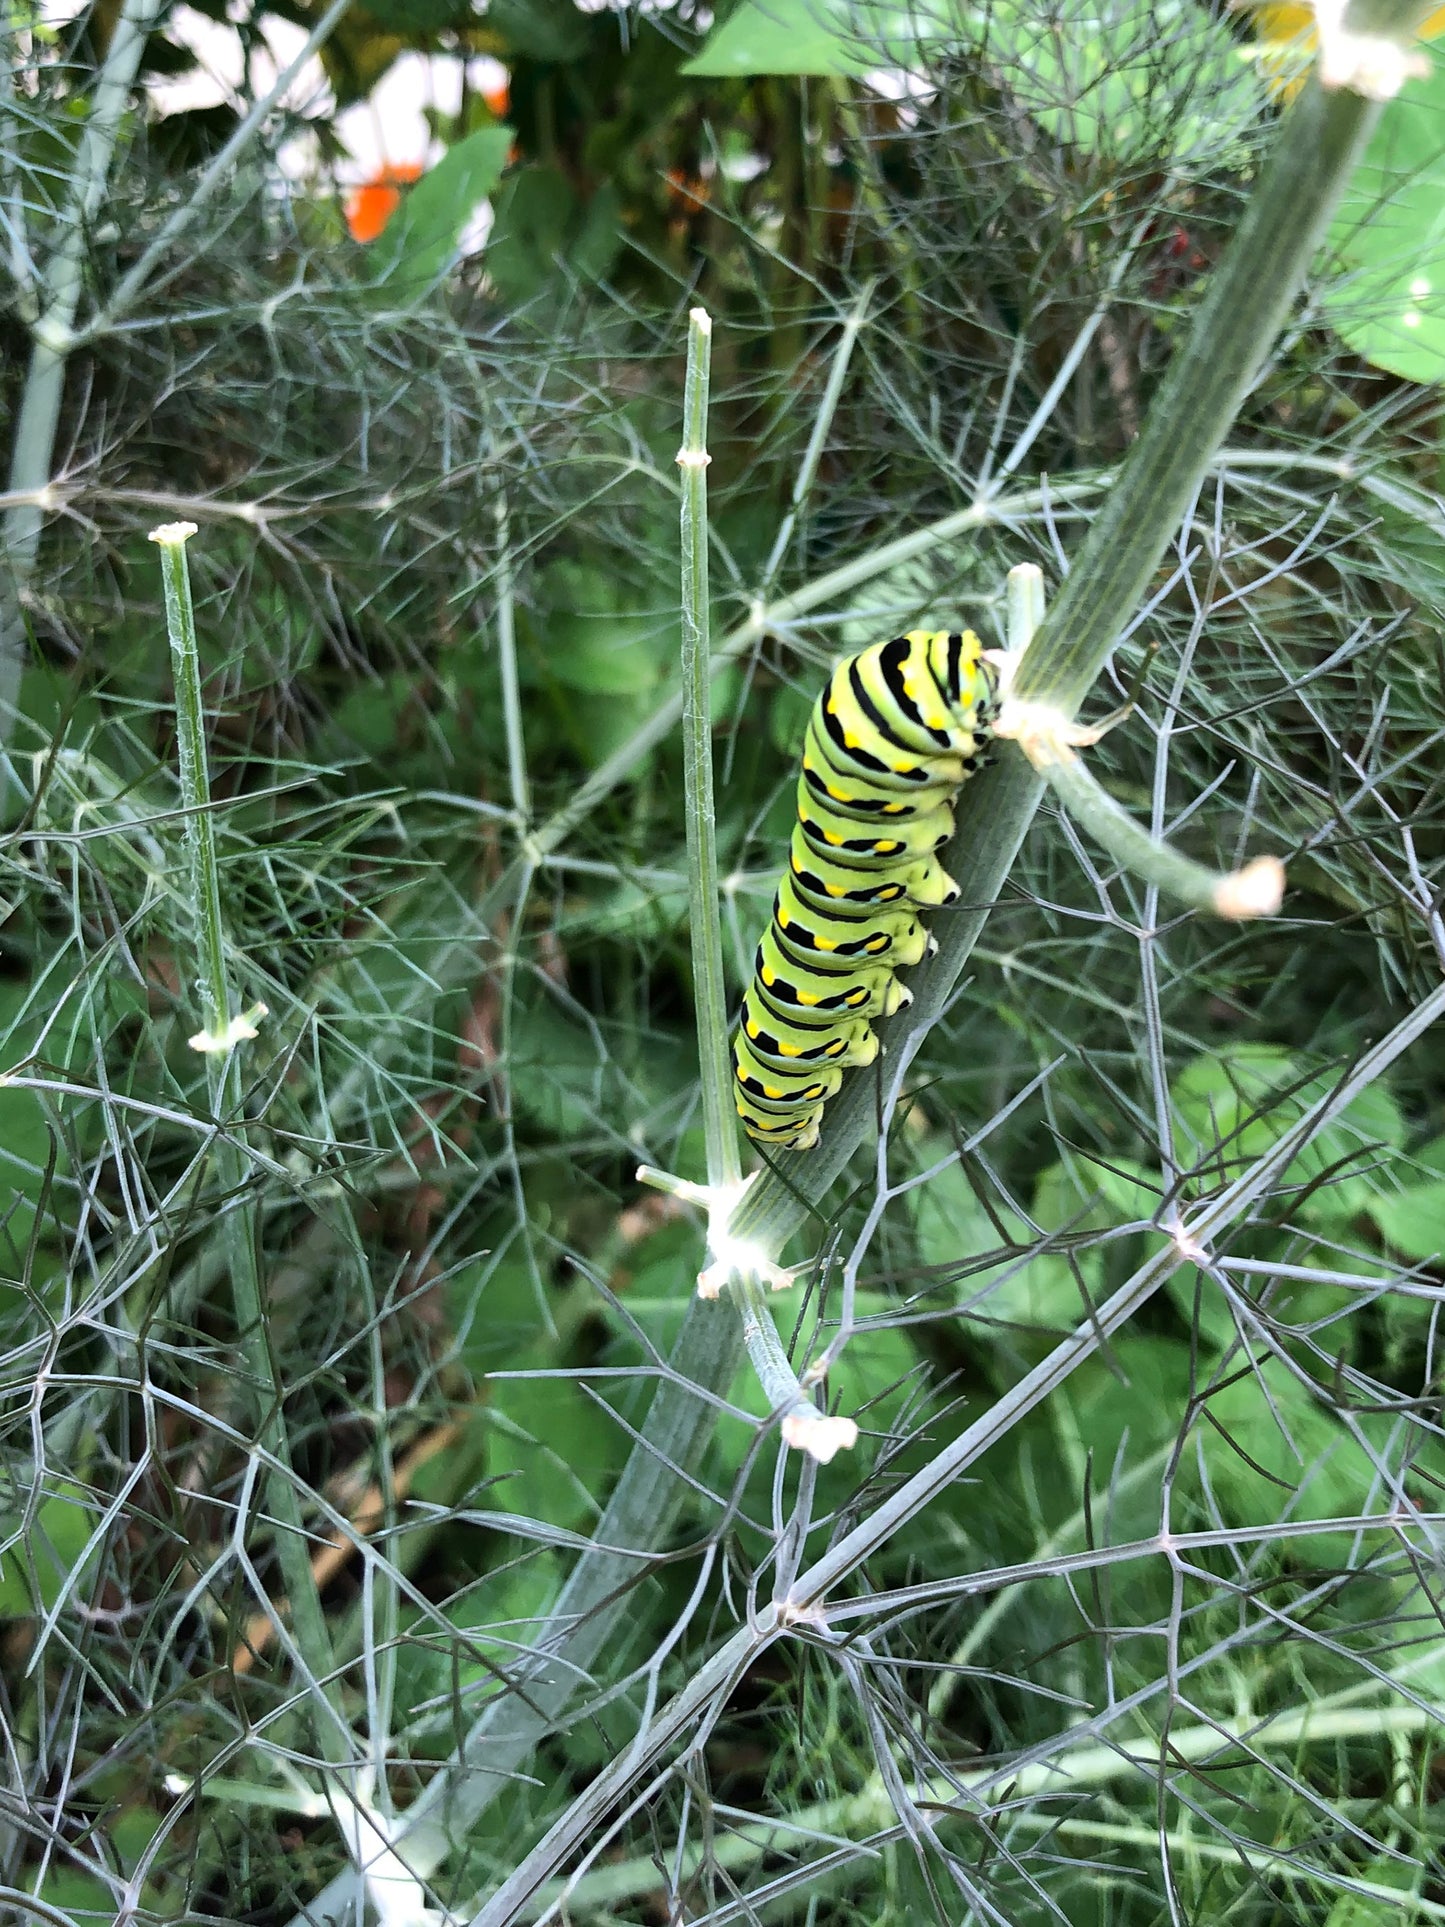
(724, 1168)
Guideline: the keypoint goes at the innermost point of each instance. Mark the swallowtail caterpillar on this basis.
(892, 738)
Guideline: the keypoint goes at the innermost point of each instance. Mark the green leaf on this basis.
(1273, 1451)
(24, 1133)
(1360, 1910)
(1023, 1303)
(1389, 234)
(419, 243)
(596, 640)
(825, 37)
(543, 229)
(1231, 1109)
(34, 1571)
(1132, 80)
(1412, 1219)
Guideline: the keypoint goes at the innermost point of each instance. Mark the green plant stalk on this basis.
(724, 1170)
(1024, 605)
(709, 988)
(1236, 324)
(1254, 891)
(223, 1075)
(507, 660)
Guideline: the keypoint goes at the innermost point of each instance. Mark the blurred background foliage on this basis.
(424, 409)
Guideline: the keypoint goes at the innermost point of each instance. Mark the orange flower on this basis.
(370, 206)
(687, 192)
(1289, 39)
(499, 98)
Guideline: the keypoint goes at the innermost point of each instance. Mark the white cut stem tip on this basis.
(172, 535)
(701, 320)
(821, 1438)
(1255, 891)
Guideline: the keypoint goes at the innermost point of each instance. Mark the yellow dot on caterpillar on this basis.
(876, 944)
(804, 998)
(783, 917)
(753, 1030)
(825, 943)
(886, 847)
(836, 1045)
(838, 796)
(851, 742)
(892, 809)
(835, 890)
(788, 1050)
(769, 977)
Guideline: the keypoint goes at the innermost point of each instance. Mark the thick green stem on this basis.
(1255, 891)
(709, 989)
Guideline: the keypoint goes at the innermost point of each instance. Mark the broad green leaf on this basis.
(876, 1373)
(832, 38)
(1413, 1218)
(24, 1134)
(1234, 1107)
(1389, 235)
(550, 1447)
(543, 230)
(418, 244)
(1128, 79)
(1020, 1303)
(1131, 79)
(1273, 1451)
(1362, 1910)
(490, 1625)
(596, 639)
(1124, 1406)
(34, 1570)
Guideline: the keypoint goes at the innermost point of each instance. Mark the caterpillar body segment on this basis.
(807, 933)
(800, 996)
(923, 832)
(826, 883)
(792, 1044)
(892, 737)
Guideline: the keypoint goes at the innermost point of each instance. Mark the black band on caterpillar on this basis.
(893, 736)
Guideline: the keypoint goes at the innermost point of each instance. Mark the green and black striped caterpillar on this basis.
(893, 736)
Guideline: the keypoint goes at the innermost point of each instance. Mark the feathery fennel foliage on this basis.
(1125, 1606)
